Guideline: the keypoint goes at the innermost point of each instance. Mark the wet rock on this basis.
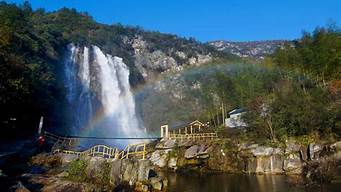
(156, 183)
(276, 164)
(2, 174)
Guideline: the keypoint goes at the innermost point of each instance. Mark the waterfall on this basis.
(100, 101)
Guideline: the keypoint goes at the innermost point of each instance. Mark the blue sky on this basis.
(205, 20)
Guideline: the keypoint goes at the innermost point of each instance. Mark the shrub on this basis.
(77, 170)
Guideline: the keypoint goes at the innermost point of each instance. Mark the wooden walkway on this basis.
(132, 150)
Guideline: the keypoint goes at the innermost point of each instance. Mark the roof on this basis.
(196, 122)
(236, 111)
(184, 124)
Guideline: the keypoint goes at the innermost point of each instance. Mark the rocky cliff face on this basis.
(224, 155)
(150, 61)
(251, 49)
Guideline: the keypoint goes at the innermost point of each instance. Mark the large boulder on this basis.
(156, 183)
(293, 164)
(172, 163)
(115, 173)
(292, 147)
(67, 158)
(94, 166)
(197, 151)
(49, 183)
(314, 151)
(185, 143)
(262, 151)
(159, 158)
(336, 146)
(144, 166)
(191, 152)
(129, 171)
(167, 144)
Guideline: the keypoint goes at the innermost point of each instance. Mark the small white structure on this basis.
(235, 120)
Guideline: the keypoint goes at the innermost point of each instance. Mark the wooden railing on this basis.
(62, 143)
(136, 150)
(193, 136)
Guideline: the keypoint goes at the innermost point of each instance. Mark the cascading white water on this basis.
(98, 83)
(116, 97)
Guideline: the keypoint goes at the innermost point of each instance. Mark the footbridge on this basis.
(193, 131)
(61, 144)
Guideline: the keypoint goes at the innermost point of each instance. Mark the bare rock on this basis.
(156, 183)
(115, 173)
(192, 152)
(293, 164)
(159, 158)
(172, 162)
(167, 144)
(336, 146)
(262, 151)
(314, 151)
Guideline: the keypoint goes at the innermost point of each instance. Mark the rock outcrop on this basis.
(94, 174)
(293, 158)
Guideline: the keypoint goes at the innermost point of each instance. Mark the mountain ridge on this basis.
(249, 49)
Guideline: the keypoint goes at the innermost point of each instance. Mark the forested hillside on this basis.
(294, 92)
(32, 44)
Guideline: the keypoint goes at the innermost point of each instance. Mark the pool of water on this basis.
(222, 182)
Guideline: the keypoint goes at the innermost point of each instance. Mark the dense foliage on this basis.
(317, 53)
(298, 95)
(28, 59)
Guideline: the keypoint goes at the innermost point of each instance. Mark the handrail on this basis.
(193, 135)
(109, 152)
